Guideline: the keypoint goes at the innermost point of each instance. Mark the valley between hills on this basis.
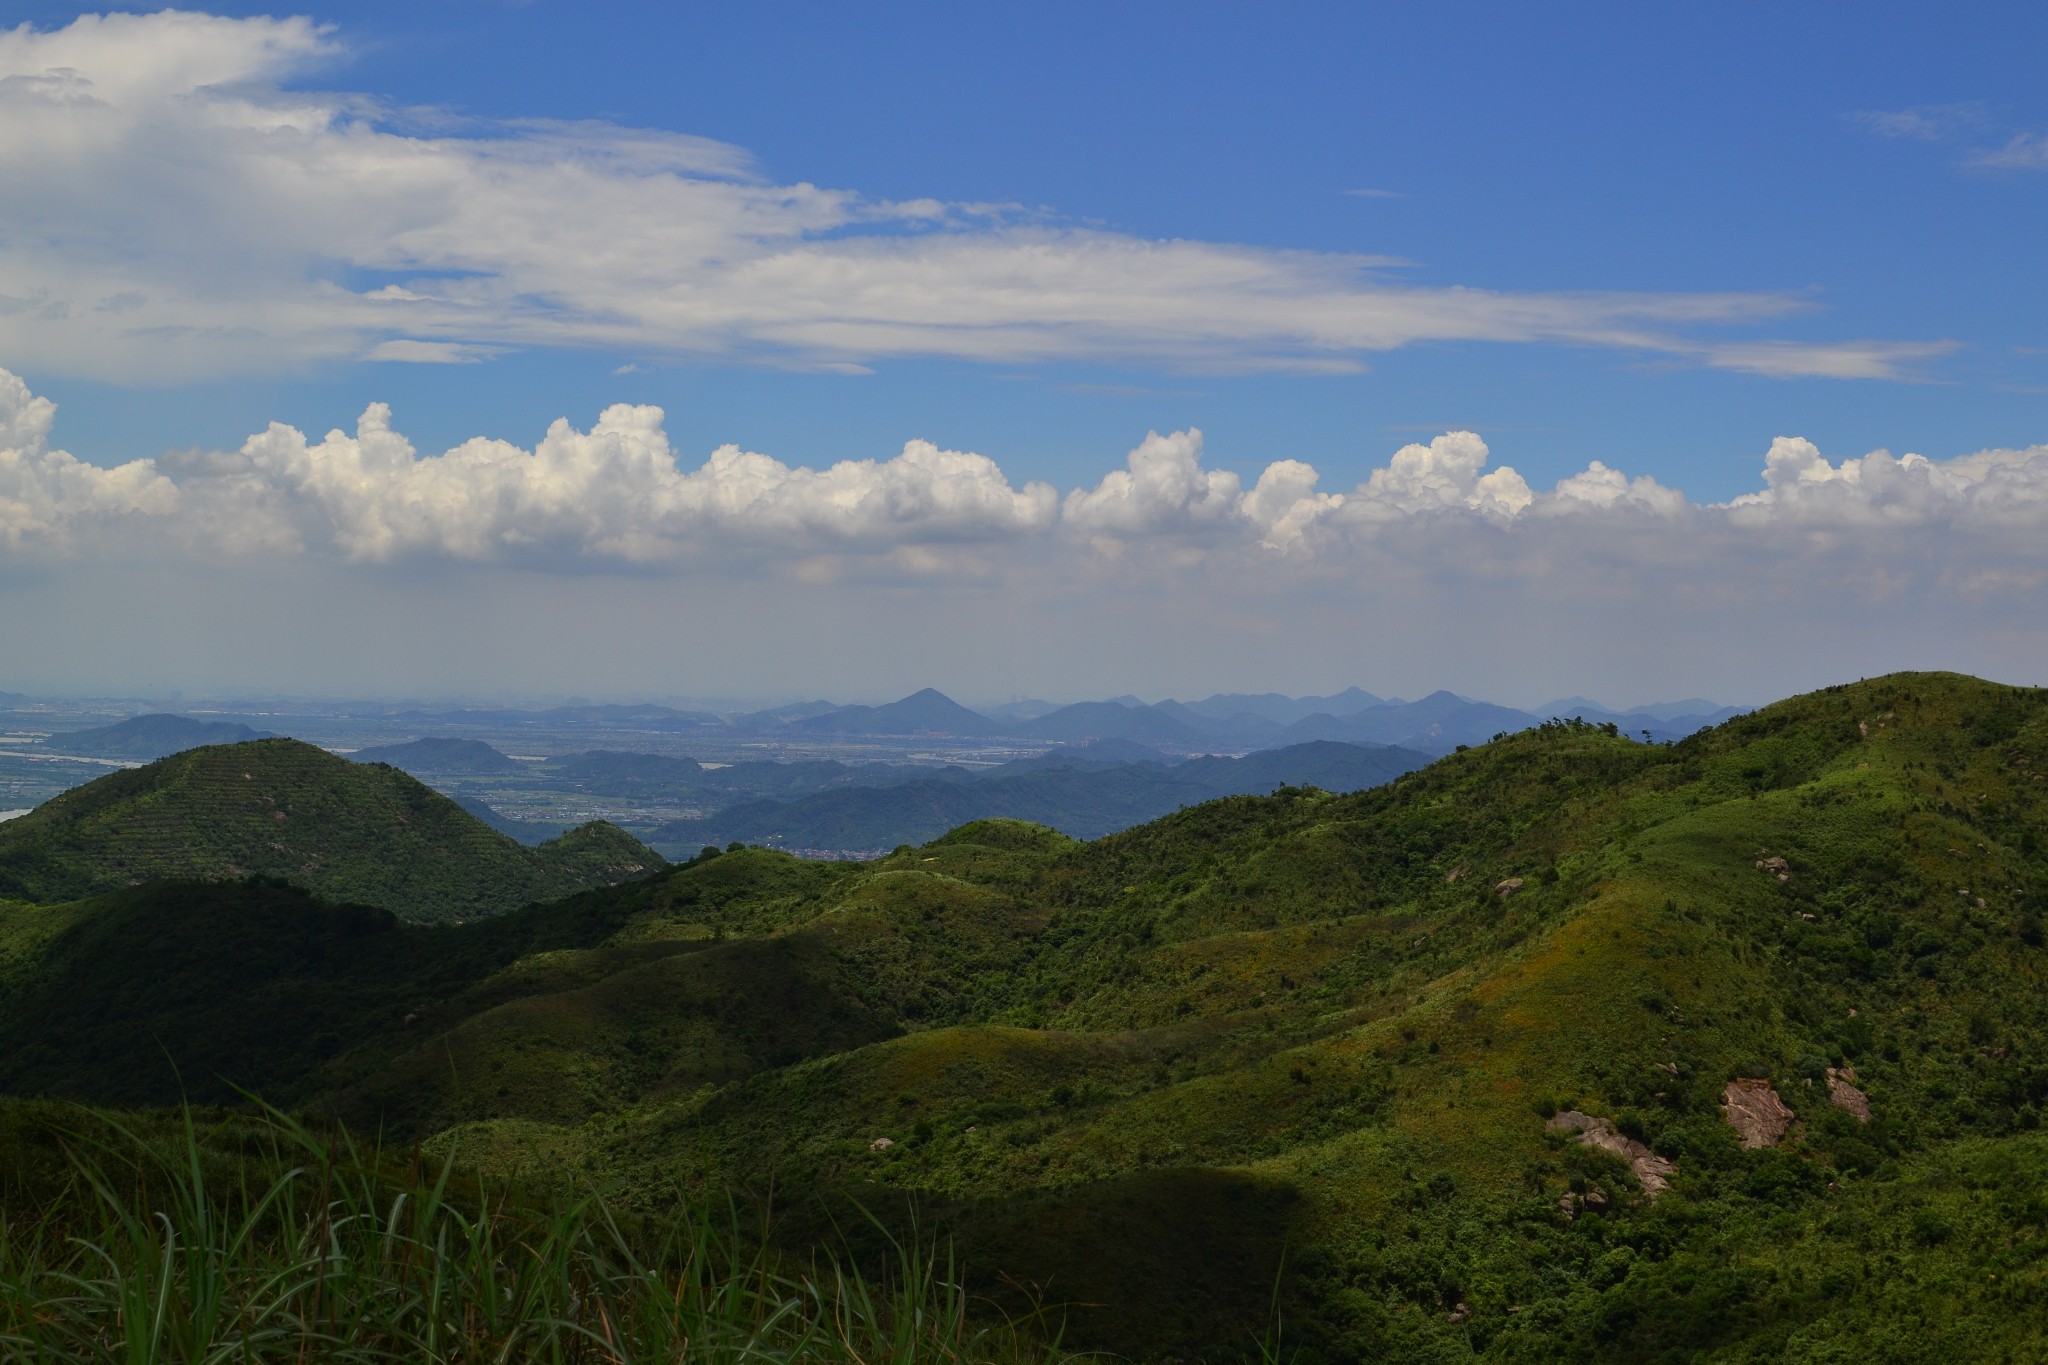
(1559, 1043)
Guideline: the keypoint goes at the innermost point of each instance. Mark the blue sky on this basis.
(1868, 177)
(1583, 147)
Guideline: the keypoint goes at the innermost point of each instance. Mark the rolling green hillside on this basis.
(1326, 1062)
(280, 808)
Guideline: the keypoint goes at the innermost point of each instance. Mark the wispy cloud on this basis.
(411, 352)
(173, 210)
(1836, 360)
(1927, 122)
(2021, 152)
(1375, 194)
(1970, 121)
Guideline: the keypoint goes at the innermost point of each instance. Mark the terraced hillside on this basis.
(1566, 1047)
(280, 808)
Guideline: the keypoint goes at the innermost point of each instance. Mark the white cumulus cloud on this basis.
(613, 494)
(48, 497)
(1599, 488)
(1441, 478)
(1990, 490)
(1161, 489)
(618, 495)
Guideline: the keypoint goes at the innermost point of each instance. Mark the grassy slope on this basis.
(1295, 990)
(1132, 1072)
(280, 808)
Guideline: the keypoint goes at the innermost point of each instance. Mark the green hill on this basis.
(280, 808)
(152, 736)
(1315, 1060)
(468, 757)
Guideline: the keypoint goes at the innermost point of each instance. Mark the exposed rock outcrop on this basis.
(1592, 1201)
(1508, 887)
(1653, 1171)
(1777, 867)
(1844, 1094)
(1755, 1112)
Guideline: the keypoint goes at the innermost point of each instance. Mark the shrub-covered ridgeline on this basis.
(258, 1240)
(361, 832)
(1563, 1047)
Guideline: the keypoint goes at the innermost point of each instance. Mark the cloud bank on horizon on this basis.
(175, 210)
(618, 497)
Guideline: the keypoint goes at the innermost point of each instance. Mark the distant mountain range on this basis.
(472, 757)
(1435, 724)
(928, 712)
(1111, 720)
(645, 717)
(1280, 710)
(1225, 722)
(1082, 789)
(1081, 798)
(153, 736)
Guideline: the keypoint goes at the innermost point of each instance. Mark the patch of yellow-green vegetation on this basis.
(991, 850)
(1261, 1107)
(25, 929)
(932, 947)
(744, 892)
(1230, 972)
(1588, 1014)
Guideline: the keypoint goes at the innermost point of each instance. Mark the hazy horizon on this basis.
(198, 702)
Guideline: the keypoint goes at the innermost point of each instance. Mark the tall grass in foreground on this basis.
(310, 1249)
